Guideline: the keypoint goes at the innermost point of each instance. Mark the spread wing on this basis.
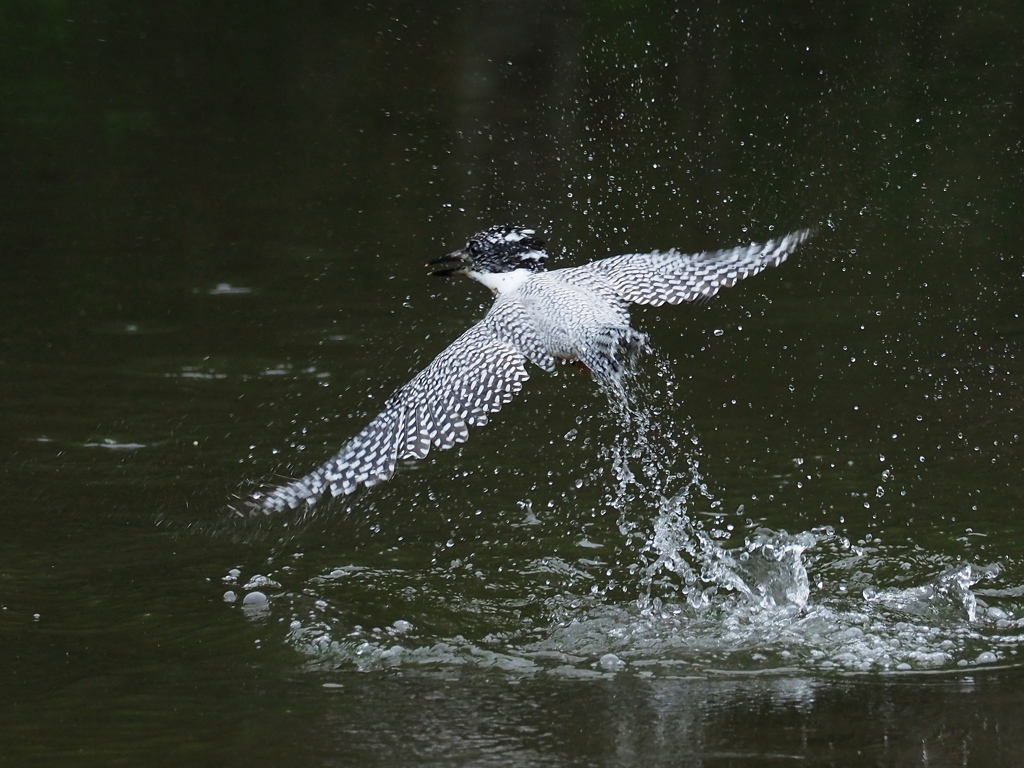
(472, 378)
(672, 277)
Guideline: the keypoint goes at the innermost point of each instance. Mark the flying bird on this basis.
(576, 314)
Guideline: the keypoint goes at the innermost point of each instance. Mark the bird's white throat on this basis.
(502, 282)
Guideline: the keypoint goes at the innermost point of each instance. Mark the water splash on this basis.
(650, 496)
(948, 595)
(675, 595)
(678, 555)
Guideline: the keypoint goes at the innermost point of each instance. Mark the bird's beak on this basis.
(454, 263)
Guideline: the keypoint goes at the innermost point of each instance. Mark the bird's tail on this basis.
(613, 351)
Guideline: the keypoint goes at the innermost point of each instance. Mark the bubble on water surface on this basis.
(612, 662)
(259, 581)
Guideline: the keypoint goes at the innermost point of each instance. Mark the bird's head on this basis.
(494, 251)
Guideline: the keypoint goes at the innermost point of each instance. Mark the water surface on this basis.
(797, 540)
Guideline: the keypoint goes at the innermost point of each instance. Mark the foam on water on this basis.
(677, 597)
(768, 618)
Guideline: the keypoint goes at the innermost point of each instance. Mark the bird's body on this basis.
(577, 314)
(573, 314)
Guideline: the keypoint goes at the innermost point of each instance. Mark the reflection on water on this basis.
(684, 590)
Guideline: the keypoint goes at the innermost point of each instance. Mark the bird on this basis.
(577, 314)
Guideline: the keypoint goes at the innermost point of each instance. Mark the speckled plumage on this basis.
(577, 314)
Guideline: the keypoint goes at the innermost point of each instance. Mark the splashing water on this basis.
(677, 550)
(701, 600)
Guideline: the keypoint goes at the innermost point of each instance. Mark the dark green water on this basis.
(213, 225)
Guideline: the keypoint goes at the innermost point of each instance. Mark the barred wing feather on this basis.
(474, 377)
(672, 277)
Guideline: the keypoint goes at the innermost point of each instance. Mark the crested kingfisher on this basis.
(576, 314)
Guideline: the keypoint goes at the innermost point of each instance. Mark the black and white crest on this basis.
(505, 248)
